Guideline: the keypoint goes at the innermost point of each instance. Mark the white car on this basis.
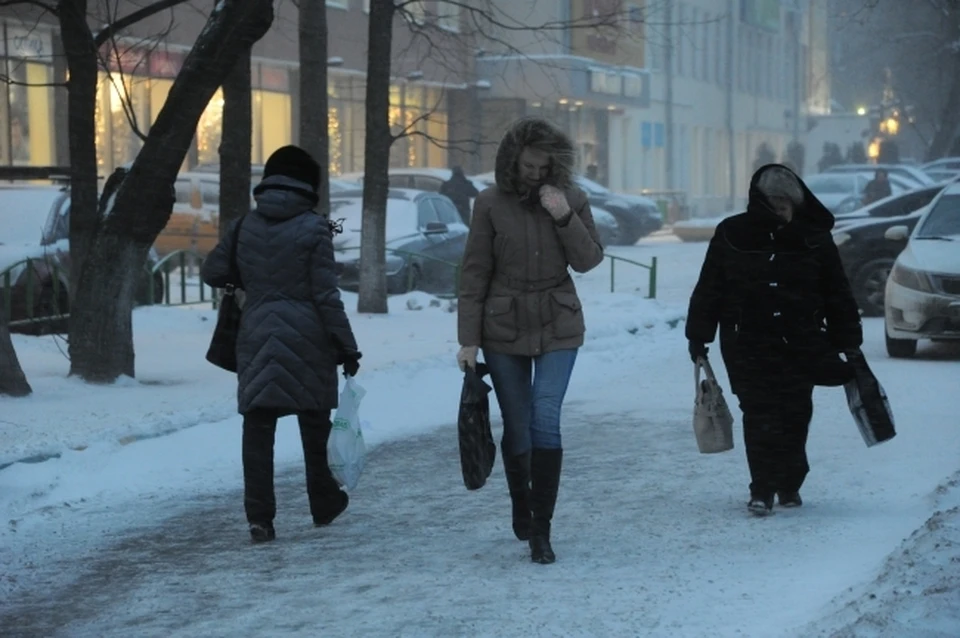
(922, 296)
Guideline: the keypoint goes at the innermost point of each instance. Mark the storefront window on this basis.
(209, 129)
(275, 123)
(27, 110)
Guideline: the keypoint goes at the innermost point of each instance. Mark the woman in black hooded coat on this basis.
(773, 282)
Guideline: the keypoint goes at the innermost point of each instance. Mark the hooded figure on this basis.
(293, 332)
(460, 190)
(518, 302)
(773, 282)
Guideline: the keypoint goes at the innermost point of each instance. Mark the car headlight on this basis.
(841, 238)
(909, 278)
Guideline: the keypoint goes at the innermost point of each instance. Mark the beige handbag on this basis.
(712, 421)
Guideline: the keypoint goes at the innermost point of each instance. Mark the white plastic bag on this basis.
(346, 451)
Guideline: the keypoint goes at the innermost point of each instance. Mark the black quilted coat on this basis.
(779, 296)
(293, 329)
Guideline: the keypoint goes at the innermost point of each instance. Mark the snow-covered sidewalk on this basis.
(147, 538)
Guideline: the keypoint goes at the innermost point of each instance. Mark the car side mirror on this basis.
(436, 228)
(897, 233)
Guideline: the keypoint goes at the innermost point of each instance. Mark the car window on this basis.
(399, 181)
(943, 220)
(426, 213)
(904, 205)
(446, 211)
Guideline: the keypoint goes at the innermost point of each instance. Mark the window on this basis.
(632, 85)
(427, 183)
(705, 48)
(426, 213)
(678, 39)
(345, 4)
(447, 212)
(718, 52)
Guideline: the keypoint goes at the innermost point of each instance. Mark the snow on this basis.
(137, 527)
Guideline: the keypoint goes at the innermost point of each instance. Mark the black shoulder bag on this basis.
(223, 346)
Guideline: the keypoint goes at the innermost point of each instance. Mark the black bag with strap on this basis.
(223, 346)
(868, 403)
(477, 449)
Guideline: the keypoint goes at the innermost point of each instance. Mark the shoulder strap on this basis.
(234, 269)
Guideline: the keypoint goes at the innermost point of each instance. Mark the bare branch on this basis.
(129, 20)
(33, 3)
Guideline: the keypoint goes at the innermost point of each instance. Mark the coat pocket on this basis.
(567, 315)
(500, 319)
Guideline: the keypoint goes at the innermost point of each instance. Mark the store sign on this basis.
(609, 31)
(29, 44)
(763, 14)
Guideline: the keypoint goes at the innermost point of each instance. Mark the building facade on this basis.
(139, 70)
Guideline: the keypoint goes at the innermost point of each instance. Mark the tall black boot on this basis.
(545, 475)
(517, 469)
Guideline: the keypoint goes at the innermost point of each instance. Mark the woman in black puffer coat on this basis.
(294, 333)
(773, 282)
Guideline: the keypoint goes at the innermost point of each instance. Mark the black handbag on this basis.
(477, 449)
(223, 346)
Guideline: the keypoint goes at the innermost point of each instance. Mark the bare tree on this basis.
(236, 143)
(314, 118)
(376, 161)
(13, 382)
(903, 54)
(111, 250)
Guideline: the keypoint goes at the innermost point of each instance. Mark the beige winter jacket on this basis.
(516, 293)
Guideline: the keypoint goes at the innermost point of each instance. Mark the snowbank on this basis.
(406, 353)
(916, 592)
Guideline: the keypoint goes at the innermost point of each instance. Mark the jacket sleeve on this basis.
(842, 312)
(326, 293)
(215, 270)
(476, 272)
(578, 234)
(706, 303)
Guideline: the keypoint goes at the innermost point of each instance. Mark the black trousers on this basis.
(776, 423)
(259, 431)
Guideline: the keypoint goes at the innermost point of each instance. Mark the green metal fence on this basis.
(180, 288)
(41, 304)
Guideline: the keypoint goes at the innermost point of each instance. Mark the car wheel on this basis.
(870, 284)
(901, 348)
(628, 231)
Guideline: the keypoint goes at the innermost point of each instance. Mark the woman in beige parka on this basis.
(519, 304)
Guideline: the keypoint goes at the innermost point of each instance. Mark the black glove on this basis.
(698, 350)
(351, 363)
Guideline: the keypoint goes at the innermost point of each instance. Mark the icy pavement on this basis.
(646, 547)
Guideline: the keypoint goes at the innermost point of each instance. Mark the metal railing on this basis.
(180, 261)
(651, 268)
(36, 270)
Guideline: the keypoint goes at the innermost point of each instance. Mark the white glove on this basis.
(467, 356)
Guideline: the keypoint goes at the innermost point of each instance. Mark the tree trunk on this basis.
(13, 382)
(101, 337)
(81, 52)
(949, 122)
(314, 118)
(376, 161)
(236, 144)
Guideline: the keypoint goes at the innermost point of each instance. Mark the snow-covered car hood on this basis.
(932, 255)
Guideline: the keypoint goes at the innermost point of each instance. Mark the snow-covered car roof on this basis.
(24, 211)
(402, 217)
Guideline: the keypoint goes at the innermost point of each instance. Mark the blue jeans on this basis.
(530, 392)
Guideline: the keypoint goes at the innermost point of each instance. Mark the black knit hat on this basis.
(295, 163)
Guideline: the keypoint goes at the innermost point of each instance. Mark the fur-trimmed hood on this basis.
(542, 135)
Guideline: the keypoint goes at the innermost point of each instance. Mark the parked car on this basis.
(833, 189)
(911, 173)
(868, 256)
(636, 216)
(942, 174)
(425, 239)
(421, 179)
(944, 163)
(35, 226)
(896, 205)
(923, 291)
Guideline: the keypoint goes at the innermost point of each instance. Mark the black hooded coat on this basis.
(779, 295)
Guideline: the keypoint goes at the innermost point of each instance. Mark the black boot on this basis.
(545, 479)
(517, 469)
